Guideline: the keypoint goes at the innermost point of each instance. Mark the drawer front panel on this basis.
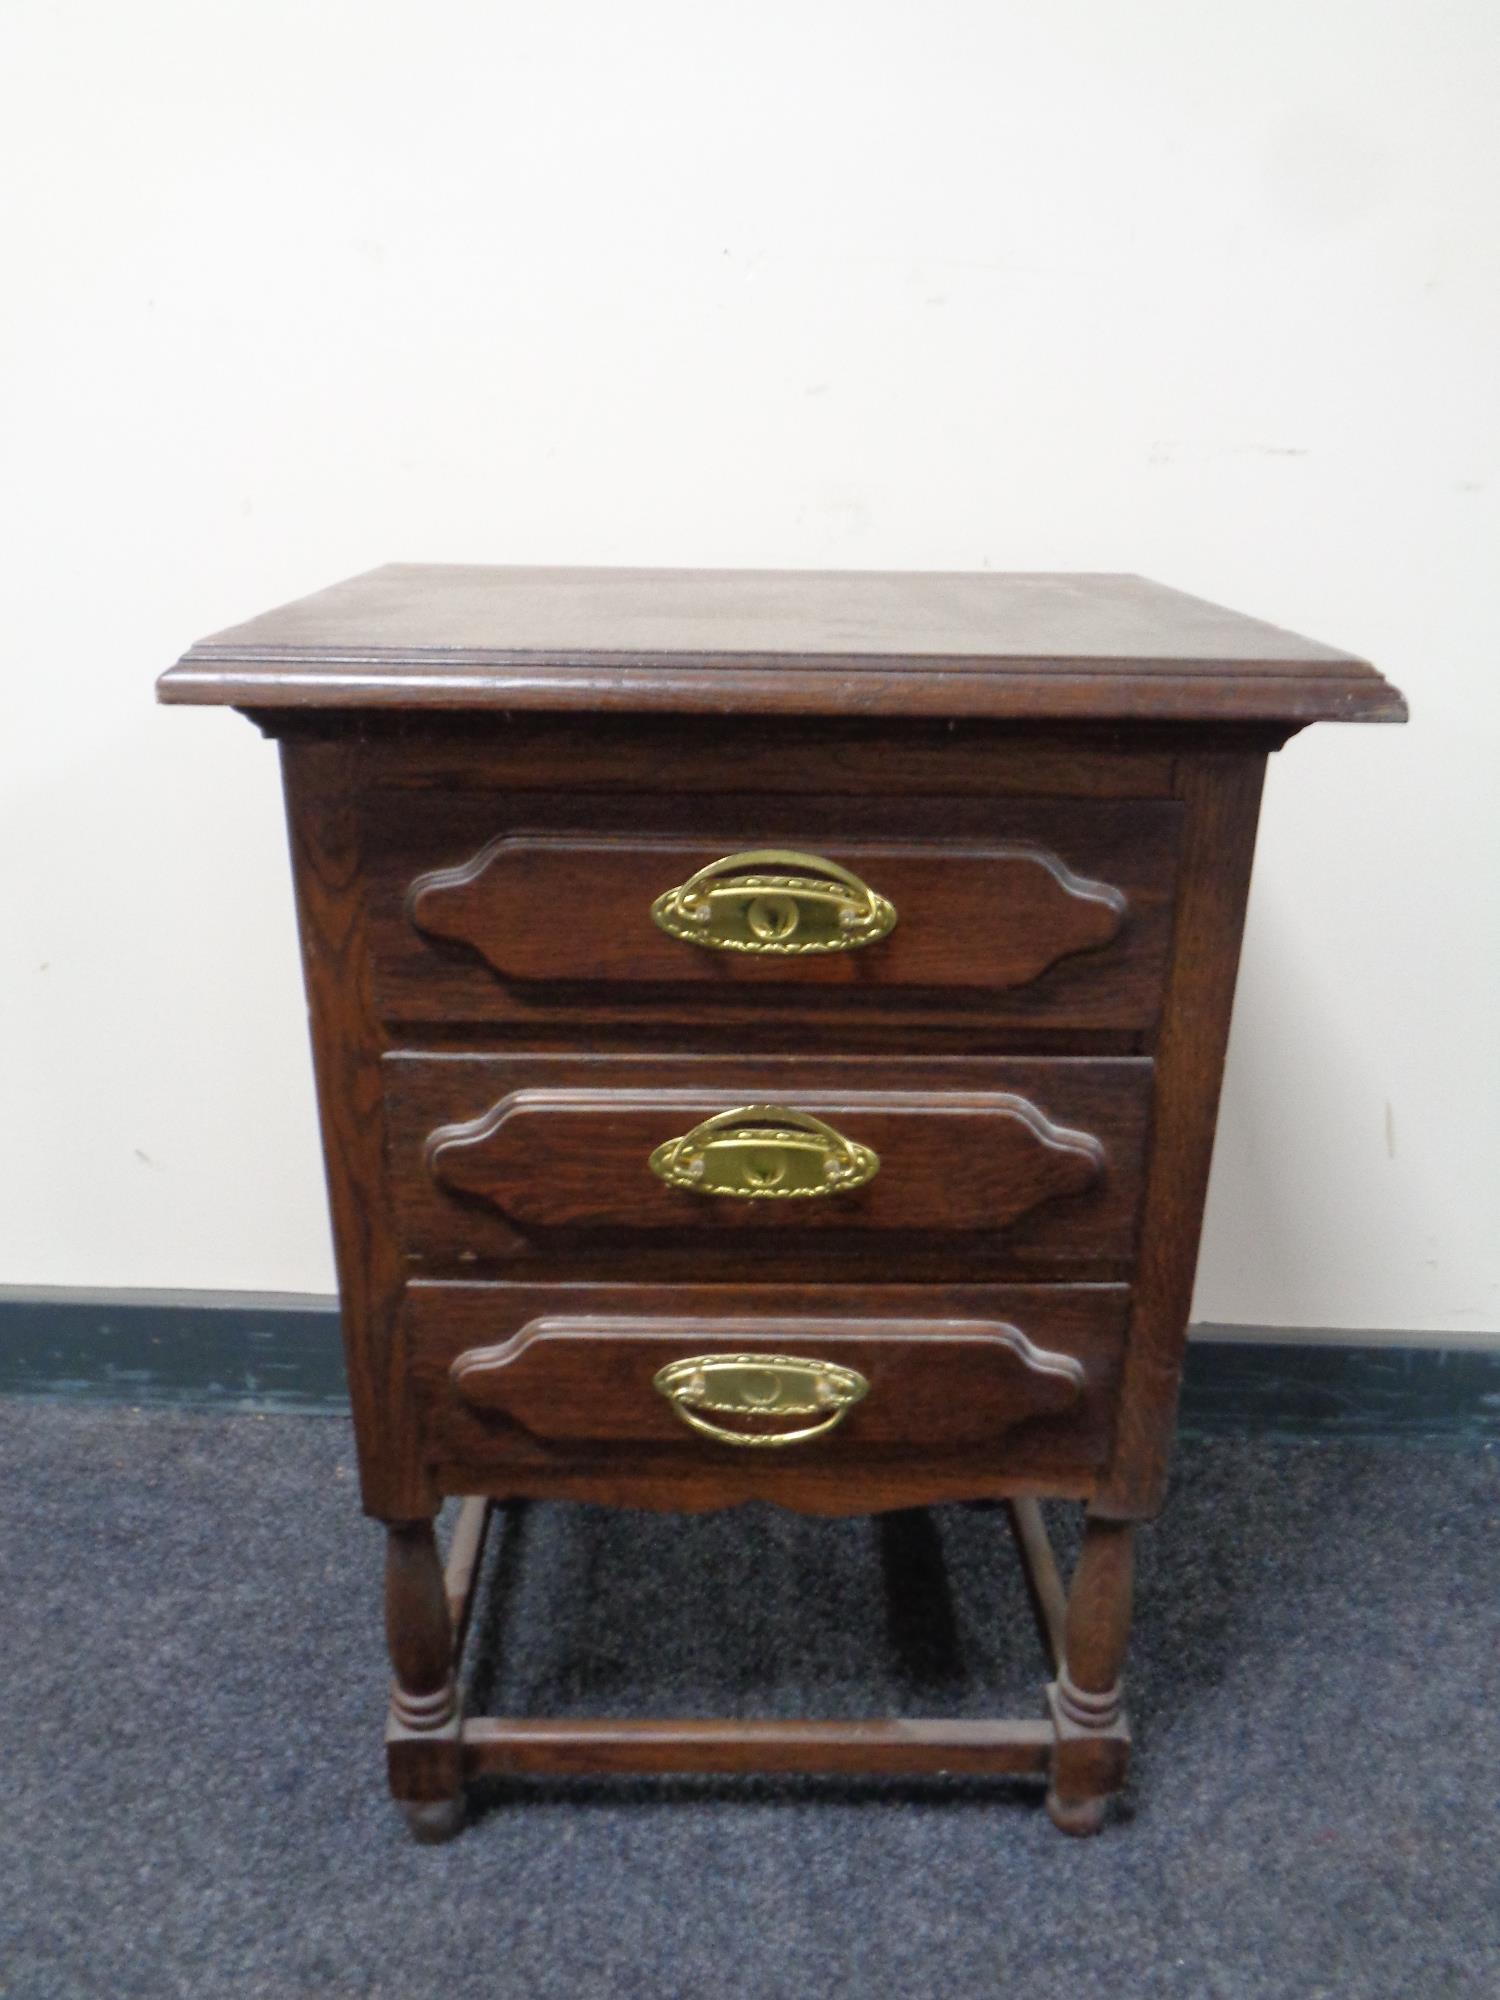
(509, 908)
(762, 1387)
(766, 1160)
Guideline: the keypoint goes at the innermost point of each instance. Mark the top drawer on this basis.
(488, 907)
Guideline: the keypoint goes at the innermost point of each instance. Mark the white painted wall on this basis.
(1206, 292)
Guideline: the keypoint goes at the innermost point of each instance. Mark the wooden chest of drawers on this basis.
(768, 1033)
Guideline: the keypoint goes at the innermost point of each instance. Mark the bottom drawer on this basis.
(837, 1398)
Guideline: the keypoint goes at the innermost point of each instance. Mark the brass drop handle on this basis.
(760, 1385)
(775, 901)
(764, 1151)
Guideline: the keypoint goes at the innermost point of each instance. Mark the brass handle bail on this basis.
(756, 1386)
(774, 901)
(764, 1151)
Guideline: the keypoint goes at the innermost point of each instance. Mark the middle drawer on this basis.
(775, 1163)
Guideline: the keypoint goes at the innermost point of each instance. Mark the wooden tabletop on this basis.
(817, 642)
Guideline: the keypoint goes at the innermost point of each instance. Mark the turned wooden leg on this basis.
(422, 1733)
(1093, 1744)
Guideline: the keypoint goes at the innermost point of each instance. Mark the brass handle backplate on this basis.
(776, 901)
(756, 1386)
(764, 1151)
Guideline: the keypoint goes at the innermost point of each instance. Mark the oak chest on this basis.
(768, 1032)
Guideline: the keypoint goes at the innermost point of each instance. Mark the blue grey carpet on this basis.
(193, 1691)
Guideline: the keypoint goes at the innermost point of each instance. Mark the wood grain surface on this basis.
(488, 907)
(816, 642)
(639, 1460)
(322, 823)
(547, 1158)
(932, 1383)
(1221, 790)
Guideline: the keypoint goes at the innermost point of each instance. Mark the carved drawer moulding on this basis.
(538, 906)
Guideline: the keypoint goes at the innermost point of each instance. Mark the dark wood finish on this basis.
(320, 785)
(804, 757)
(1049, 1602)
(871, 1484)
(1098, 1622)
(1088, 1768)
(888, 1747)
(544, 1390)
(417, 1625)
(965, 1161)
(761, 642)
(1031, 911)
(550, 907)
(1034, 1166)
(559, 907)
(490, 775)
(1090, 1759)
(422, 1733)
(461, 1571)
(1222, 793)
(934, 1384)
